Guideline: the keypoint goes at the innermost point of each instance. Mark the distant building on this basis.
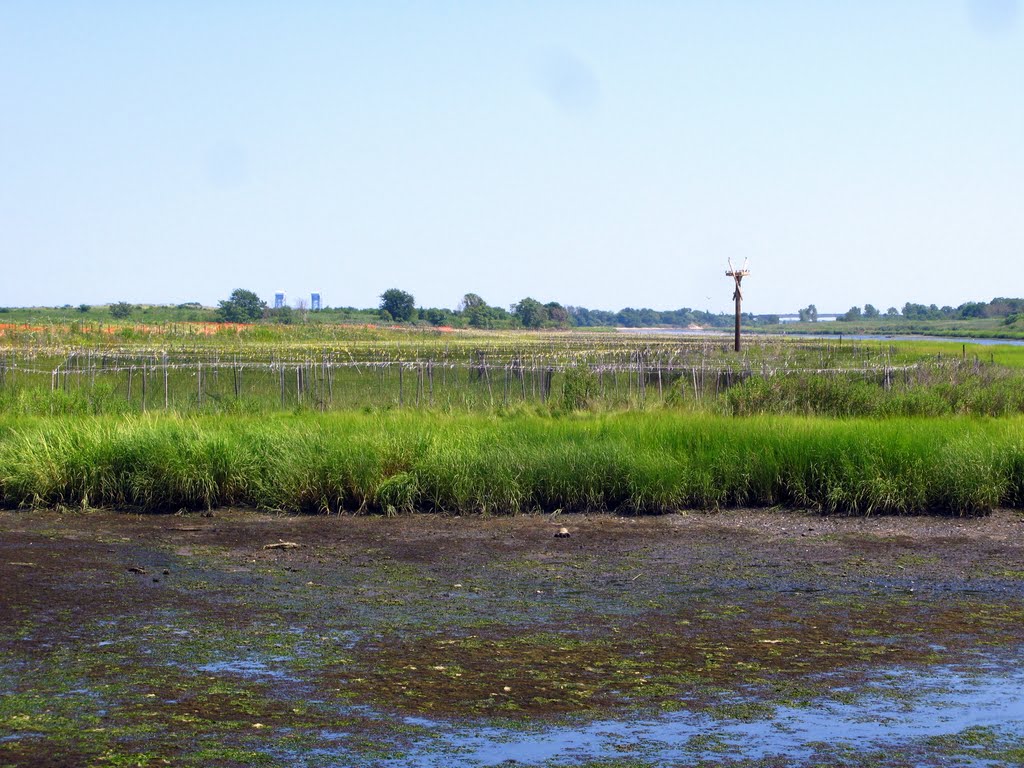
(279, 300)
(314, 301)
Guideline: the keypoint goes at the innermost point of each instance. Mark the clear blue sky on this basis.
(603, 154)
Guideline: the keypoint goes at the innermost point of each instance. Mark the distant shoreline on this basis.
(902, 336)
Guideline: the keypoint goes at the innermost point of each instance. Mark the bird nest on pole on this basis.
(738, 275)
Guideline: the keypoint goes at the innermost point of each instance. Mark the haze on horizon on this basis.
(603, 154)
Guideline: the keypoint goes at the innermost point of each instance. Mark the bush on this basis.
(242, 307)
(121, 310)
(579, 388)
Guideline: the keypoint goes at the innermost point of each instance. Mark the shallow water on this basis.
(945, 702)
(907, 711)
(901, 709)
(251, 669)
(724, 333)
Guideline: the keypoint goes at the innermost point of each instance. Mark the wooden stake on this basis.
(737, 275)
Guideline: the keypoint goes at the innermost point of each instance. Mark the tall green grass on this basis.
(626, 462)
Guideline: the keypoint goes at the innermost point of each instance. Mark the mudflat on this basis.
(747, 637)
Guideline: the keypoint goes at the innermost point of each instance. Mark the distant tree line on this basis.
(681, 318)
(399, 306)
(998, 307)
(473, 311)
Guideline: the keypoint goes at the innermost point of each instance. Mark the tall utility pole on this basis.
(737, 275)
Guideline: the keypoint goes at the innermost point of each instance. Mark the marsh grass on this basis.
(472, 463)
(498, 372)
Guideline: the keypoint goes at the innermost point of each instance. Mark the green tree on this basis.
(912, 311)
(809, 314)
(531, 313)
(557, 314)
(870, 311)
(242, 307)
(83, 308)
(973, 309)
(853, 313)
(479, 314)
(397, 303)
(471, 301)
(474, 309)
(437, 316)
(121, 310)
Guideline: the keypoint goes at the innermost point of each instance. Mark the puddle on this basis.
(17, 736)
(249, 669)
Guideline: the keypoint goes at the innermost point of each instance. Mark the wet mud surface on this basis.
(746, 638)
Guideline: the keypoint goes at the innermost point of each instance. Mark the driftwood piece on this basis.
(282, 545)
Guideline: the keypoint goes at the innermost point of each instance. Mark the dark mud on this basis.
(733, 639)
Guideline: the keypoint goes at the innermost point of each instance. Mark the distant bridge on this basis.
(793, 317)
